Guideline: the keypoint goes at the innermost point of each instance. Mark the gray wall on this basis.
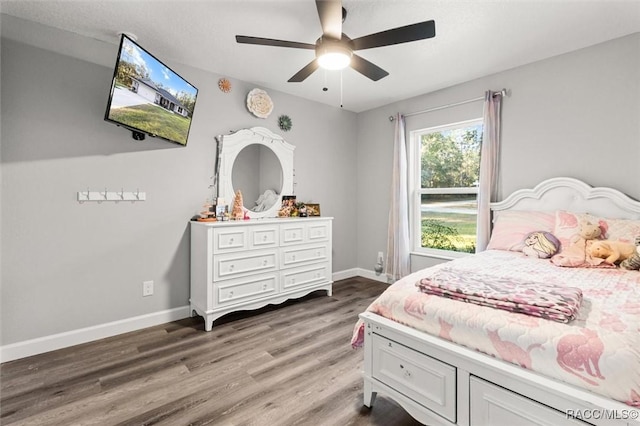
(67, 265)
(574, 115)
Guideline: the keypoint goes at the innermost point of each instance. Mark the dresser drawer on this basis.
(318, 231)
(263, 237)
(226, 240)
(245, 289)
(426, 380)
(238, 264)
(300, 255)
(306, 275)
(292, 233)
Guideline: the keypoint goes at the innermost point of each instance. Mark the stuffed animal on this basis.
(540, 244)
(611, 251)
(633, 262)
(587, 231)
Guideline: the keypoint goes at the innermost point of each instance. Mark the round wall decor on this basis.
(259, 103)
(284, 122)
(224, 85)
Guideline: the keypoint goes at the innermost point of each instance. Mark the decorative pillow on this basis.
(567, 225)
(541, 244)
(510, 227)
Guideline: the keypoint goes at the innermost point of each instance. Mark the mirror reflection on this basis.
(257, 172)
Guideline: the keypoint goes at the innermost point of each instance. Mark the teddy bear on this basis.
(633, 262)
(611, 251)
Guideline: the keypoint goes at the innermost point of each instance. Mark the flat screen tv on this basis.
(148, 98)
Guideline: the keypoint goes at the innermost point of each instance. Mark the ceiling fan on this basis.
(334, 50)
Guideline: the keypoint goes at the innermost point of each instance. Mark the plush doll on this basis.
(540, 244)
(611, 251)
(587, 231)
(633, 262)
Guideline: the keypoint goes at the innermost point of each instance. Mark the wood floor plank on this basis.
(279, 365)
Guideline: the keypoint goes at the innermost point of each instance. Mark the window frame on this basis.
(416, 191)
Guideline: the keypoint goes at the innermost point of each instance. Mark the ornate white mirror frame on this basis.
(236, 142)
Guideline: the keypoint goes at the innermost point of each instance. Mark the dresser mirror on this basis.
(259, 163)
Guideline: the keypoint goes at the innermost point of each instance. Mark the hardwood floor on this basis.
(286, 365)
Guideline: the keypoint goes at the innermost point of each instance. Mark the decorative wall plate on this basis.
(284, 122)
(259, 103)
(224, 85)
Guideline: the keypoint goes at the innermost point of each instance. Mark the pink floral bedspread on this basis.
(599, 350)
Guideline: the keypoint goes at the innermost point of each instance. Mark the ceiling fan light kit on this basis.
(334, 50)
(333, 55)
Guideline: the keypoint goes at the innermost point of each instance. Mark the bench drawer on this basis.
(427, 381)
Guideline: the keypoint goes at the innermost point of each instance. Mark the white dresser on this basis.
(243, 265)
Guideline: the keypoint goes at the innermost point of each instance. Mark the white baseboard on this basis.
(365, 273)
(359, 272)
(343, 275)
(44, 344)
(75, 337)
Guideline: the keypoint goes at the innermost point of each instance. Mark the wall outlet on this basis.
(147, 288)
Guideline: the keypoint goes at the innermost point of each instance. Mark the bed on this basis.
(447, 362)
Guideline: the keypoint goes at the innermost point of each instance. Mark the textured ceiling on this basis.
(473, 38)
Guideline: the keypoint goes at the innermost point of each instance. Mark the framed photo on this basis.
(288, 206)
(313, 209)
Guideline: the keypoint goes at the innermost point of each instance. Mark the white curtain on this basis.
(489, 158)
(397, 264)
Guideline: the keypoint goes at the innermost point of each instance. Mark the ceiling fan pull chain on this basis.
(340, 88)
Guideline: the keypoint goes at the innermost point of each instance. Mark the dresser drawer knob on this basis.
(293, 280)
(231, 267)
(264, 262)
(230, 294)
(293, 257)
(264, 286)
(231, 240)
(264, 238)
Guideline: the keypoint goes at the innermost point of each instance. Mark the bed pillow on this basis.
(567, 225)
(510, 228)
(541, 245)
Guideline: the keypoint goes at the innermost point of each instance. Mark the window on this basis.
(444, 173)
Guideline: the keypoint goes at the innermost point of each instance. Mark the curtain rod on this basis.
(503, 92)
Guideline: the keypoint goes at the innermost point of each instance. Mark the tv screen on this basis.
(148, 98)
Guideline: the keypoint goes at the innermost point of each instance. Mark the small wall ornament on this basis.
(284, 122)
(259, 103)
(224, 85)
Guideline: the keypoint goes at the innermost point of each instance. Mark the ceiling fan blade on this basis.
(273, 42)
(304, 72)
(367, 68)
(330, 13)
(419, 31)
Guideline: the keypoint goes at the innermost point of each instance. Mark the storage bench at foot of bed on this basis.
(440, 383)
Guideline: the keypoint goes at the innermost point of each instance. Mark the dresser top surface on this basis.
(265, 221)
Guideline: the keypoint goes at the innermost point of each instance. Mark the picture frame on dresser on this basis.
(313, 209)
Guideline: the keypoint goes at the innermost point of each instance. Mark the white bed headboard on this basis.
(563, 193)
